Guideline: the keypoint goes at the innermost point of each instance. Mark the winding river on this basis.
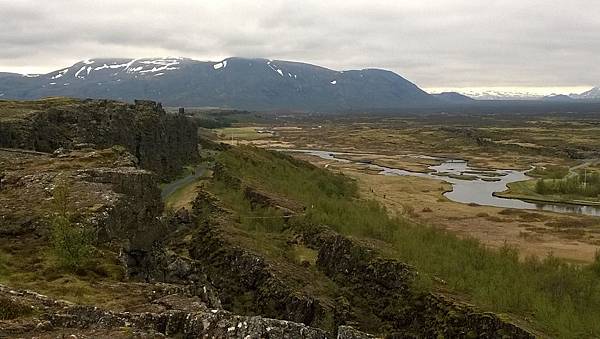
(479, 190)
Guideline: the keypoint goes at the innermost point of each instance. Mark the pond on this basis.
(469, 185)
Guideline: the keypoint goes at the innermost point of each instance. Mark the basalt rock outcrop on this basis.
(120, 202)
(29, 314)
(389, 287)
(161, 142)
(237, 272)
(184, 318)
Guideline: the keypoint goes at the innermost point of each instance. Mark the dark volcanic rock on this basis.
(388, 285)
(186, 319)
(236, 271)
(161, 142)
(135, 215)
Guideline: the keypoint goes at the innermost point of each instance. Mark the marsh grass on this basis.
(561, 298)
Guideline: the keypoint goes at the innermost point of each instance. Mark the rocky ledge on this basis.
(161, 142)
(43, 317)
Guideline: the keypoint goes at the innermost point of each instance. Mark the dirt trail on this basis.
(170, 188)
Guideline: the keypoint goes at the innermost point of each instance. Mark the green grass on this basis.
(530, 190)
(241, 133)
(17, 109)
(549, 172)
(561, 298)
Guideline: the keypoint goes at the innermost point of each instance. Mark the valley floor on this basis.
(485, 142)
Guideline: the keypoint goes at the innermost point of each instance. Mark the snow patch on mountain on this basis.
(220, 65)
(593, 93)
(79, 72)
(60, 74)
(112, 66)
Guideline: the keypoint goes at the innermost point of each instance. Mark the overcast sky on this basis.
(453, 43)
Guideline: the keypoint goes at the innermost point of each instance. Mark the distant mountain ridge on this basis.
(453, 97)
(499, 94)
(255, 84)
(593, 94)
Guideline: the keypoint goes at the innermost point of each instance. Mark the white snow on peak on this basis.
(88, 61)
(31, 75)
(220, 65)
(53, 83)
(159, 74)
(127, 65)
(156, 69)
(161, 62)
(60, 73)
(158, 65)
(112, 66)
(79, 71)
(333, 82)
(274, 69)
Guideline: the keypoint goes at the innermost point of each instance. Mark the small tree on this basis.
(71, 243)
(541, 187)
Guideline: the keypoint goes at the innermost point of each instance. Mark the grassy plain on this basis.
(559, 298)
(514, 142)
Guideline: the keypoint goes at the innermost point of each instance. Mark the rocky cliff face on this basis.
(135, 214)
(106, 191)
(183, 318)
(388, 285)
(162, 142)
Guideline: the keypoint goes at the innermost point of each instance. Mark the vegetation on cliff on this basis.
(161, 142)
(562, 298)
(71, 243)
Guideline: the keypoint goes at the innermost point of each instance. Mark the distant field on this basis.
(507, 142)
(241, 133)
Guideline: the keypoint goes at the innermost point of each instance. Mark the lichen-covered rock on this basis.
(387, 284)
(162, 142)
(236, 271)
(187, 318)
(135, 214)
(349, 332)
(119, 202)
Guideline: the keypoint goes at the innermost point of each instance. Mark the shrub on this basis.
(564, 298)
(71, 242)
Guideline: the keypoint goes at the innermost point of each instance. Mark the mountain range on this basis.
(254, 84)
(245, 83)
(499, 94)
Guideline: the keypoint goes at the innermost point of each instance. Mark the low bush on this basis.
(562, 298)
(71, 242)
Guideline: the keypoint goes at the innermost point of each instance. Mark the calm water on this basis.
(478, 191)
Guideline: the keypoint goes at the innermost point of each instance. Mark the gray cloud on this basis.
(434, 43)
